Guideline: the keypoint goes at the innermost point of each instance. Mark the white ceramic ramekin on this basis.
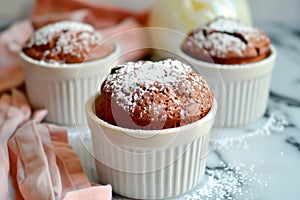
(64, 88)
(244, 87)
(150, 164)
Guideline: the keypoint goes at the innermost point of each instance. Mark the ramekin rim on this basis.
(270, 58)
(91, 114)
(28, 59)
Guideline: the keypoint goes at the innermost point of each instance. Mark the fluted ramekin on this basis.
(242, 90)
(63, 89)
(150, 164)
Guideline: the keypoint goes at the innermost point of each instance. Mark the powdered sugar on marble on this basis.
(275, 124)
(232, 181)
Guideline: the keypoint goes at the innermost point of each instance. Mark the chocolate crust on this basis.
(66, 42)
(227, 41)
(153, 96)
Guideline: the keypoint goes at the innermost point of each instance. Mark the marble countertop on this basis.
(260, 160)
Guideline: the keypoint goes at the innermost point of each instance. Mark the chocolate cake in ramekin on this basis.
(150, 128)
(244, 58)
(61, 62)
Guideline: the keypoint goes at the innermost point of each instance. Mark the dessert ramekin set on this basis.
(143, 162)
(150, 164)
(63, 87)
(243, 58)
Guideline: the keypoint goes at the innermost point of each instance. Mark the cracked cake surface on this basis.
(227, 41)
(153, 95)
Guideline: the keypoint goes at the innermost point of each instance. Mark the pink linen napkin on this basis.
(91, 193)
(109, 20)
(11, 40)
(13, 112)
(36, 160)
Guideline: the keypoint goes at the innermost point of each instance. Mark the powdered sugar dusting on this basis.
(229, 25)
(45, 34)
(69, 38)
(229, 181)
(232, 181)
(275, 124)
(176, 80)
(219, 44)
(225, 36)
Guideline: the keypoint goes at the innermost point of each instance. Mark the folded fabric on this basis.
(13, 112)
(99, 15)
(109, 20)
(91, 193)
(11, 40)
(36, 160)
